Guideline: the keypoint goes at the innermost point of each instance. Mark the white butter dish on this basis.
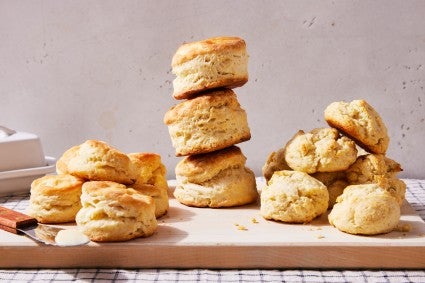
(19, 150)
(19, 181)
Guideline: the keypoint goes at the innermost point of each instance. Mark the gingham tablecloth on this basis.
(415, 195)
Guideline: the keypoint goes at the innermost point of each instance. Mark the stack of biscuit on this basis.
(362, 189)
(205, 127)
(112, 196)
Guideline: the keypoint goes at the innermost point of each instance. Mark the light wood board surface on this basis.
(231, 238)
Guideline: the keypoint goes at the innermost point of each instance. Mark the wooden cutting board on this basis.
(231, 238)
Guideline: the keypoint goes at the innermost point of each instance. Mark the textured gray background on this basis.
(74, 70)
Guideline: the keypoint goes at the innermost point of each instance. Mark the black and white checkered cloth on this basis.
(415, 195)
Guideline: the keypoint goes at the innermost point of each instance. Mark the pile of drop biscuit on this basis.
(112, 196)
(343, 167)
(205, 127)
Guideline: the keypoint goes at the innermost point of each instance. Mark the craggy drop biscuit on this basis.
(335, 182)
(55, 198)
(207, 64)
(321, 150)
(217, 179)
(97, 161)
(293, 197)
(275, 162)
(212, 121)
(112, 212)
(360, 121)
(378, 169)
(151, 180)
(365, 209)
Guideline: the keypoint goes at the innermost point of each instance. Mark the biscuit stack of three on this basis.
(327, 158)
(205, 127)
(111, 195)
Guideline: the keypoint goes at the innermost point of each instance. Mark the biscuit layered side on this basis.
(111, 195)
(206, 126)
(358, 183)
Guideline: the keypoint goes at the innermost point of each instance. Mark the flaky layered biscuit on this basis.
(365, 209)
(293, 197)
(151, 180)
(207, 123)
(320, 150)
(113, 212)
(275, 162)
(360, 121)
(207, 64)
(55, 198)
(97, 161)
(377, 169)
(217, 179)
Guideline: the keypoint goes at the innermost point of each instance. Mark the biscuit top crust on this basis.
(116, 193)
(217, 98)
(190, 50)
(202, 167)
(56, 184)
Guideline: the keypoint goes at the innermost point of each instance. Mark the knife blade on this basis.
(19, 223)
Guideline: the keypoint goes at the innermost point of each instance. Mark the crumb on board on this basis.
(254, 220)
(403, 227)
(320, 236)
(241, 227)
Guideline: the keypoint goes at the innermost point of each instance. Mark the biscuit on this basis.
(360, 121)
(151, 180)
(55, 198)
(321, 150)
(217, 179)
(112, 212)
(97, 161)
(293, 197)
(275, 162)
(335, 182)
(207, 64)
(378, 169)
(207, 123)
(365, 209)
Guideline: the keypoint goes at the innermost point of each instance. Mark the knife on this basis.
(18, 223)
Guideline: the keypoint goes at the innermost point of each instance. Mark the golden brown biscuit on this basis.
(365, 209)
(151, 180)
(335, 182)
(360, 121)
(320, 150)
(293, 197)
(207, 123)
(207, 64)
(55, 198)
(217, 179)
(97, 161)
(378, 169)
(275, 162)
(113, 212)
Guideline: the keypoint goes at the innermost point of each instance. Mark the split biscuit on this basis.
(293, 197)
(320, 150)
(55, 198)
(365, 209)
(217, 179)
(212, 121)
(207, 64)
(151, 180)
(359, 121)
(112, 212)
(97, 161)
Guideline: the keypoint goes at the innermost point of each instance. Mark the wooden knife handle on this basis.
(14, 219)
